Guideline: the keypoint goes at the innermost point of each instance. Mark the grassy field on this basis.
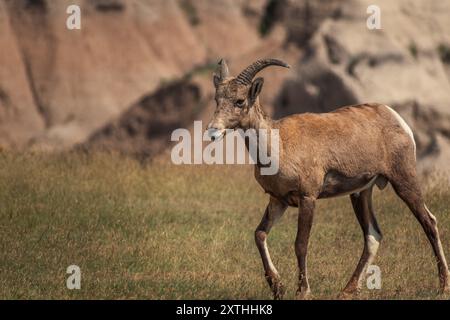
(159, 231)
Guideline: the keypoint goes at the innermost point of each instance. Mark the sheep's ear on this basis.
(256, 88)
(216, 80)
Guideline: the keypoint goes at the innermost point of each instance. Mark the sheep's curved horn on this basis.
(246, 76)
(223, 69)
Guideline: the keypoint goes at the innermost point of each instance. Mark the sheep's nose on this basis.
(209, 127)
(215, 134)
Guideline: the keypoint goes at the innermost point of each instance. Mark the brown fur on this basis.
(327, 155)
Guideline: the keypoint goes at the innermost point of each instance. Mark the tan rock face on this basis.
(84, 78)
(145, 129)
(20, 118)
(222, 29)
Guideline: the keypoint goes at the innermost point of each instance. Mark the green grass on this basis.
(160, 231)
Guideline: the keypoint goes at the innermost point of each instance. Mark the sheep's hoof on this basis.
(304, 294)
(445, 290)
(278, 289)
(348, 294)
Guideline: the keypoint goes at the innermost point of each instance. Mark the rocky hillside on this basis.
(139, 68)
(57, 86)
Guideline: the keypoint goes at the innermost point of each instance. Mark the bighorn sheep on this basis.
(344, 152)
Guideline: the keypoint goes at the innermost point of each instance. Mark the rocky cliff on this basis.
(58, 86)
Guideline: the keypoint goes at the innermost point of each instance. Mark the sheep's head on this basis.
(236, 96)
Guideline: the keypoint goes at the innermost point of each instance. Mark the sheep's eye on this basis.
(240, 103)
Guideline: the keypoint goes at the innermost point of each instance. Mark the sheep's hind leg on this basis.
(407, 188)
(362, 205)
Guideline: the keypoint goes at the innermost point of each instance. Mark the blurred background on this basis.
(138, 69)
(139, 226)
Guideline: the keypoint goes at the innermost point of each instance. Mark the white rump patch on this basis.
(404, 125)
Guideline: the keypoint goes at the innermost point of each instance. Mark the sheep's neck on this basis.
(258, 119)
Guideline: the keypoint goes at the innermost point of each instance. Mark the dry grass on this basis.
(166, 232)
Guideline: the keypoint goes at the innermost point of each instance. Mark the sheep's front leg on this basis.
(305, 219)
(274, 211)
